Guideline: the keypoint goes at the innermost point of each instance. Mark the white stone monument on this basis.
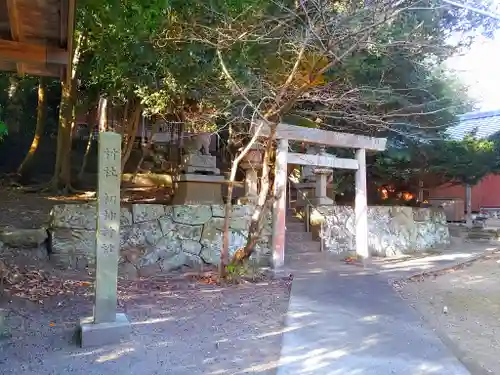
(107, 326)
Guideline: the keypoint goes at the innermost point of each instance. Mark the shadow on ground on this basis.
(177, 329)
(345, 320)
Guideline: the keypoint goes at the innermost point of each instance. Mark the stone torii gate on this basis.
(286, 133)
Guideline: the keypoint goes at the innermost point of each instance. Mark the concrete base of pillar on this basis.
(198, 189)
(101, 334)
(322, 201)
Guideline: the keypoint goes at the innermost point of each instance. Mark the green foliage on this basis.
(235, 273)
(466, 161)
(4, 131)
(437, 162)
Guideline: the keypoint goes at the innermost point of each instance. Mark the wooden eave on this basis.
(36, 36)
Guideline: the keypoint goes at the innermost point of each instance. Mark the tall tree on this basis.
(40, 126)
(341, 64)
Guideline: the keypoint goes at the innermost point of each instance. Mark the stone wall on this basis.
(154, 238)
(392, 230)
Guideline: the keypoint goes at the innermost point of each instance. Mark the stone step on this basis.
(298, 237)
(295, 226)
(456, 231)
(294, 220)
(302, 247)
(482, 235)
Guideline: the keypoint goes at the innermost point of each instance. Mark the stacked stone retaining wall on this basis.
(153, 237)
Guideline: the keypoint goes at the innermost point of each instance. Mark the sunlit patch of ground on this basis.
(464, 305)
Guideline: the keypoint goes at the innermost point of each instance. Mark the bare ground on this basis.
(181, 325)
(463, 305)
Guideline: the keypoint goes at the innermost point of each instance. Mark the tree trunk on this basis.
(468, 206)
(131, 131)
(263, 202)
(65, 127)
(62, 170)
(92, 122)
(40, 127)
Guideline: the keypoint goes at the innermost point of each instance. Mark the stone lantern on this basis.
(321, 197)
(306, 188)
(252, 163)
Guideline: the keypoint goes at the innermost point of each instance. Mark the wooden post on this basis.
(420, 197)
(468, 205)
(361, 207)
(279, 207)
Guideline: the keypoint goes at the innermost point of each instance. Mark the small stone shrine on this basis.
(200, 181)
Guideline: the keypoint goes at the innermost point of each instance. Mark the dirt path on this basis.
(180, 327)
(24, 210)
(464, 305)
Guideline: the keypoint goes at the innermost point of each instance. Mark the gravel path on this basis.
(464, 305)
(179, 327)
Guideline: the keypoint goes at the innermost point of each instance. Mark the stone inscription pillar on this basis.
(108, 227)
(361, 207)
(106, 326)
(279, 207)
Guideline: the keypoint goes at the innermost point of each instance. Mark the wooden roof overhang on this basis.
(36, 36)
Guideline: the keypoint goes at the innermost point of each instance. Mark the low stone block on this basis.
(23, 238)
(175, 262)
(73, 248)
(167, 225)
(102, 334)
(192, 214)
(218, 210)
(188, 232)
(198, 190)
(210, 255)
(125, 217)
(167, 246)
(191, 247)
(77, 216)
(147, 212)
(207, 161)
